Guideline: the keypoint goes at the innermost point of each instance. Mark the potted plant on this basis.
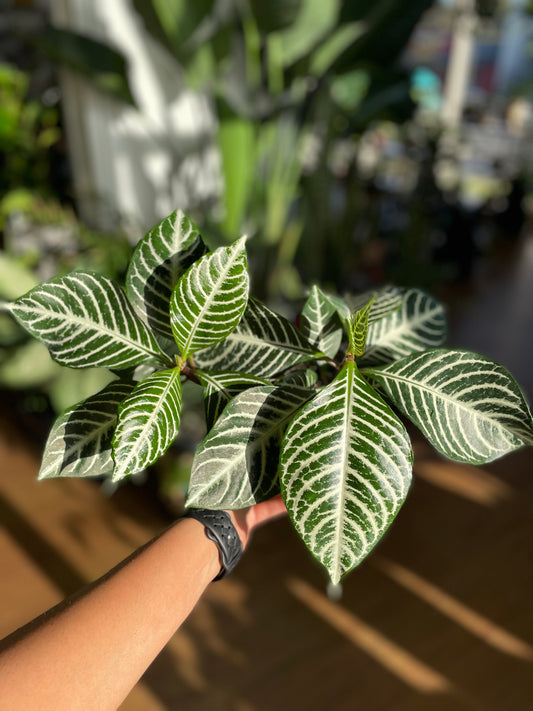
(308, 410)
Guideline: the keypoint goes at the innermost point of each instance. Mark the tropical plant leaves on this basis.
(345, 469)
(237, 463)
(419, 324)
(263, 344)
(84, 319)
(320, 322)
(79, 444)
(209, 299)
(358, 329)
(220, 388)
(470, 408)
(148, 423)
(387, 300)
(159, 259)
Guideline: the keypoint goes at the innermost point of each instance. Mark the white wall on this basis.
(128, 164)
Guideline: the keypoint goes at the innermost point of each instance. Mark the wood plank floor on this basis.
(439, 617)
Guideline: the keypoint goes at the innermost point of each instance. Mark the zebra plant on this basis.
(310, 411)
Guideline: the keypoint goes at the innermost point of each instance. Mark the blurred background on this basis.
(356, 144)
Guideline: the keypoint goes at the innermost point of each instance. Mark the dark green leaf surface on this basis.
(469, 407)
(148, 423)
(84, 320)
(159, 260)
(237, 463)
(209, 299)
(345, 469)
(79, 443)
(263, 344)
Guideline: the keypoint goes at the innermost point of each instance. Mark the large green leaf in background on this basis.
(418, 324)
(148, 423)
(159, 259)
(209, 299)
(345, 470)
(263, 344)
(237, 463)
(79, 443)
(85, 319)
(470, 408)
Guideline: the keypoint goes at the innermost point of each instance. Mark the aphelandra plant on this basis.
(304, 410)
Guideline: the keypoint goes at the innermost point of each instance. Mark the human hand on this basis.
(246, 520)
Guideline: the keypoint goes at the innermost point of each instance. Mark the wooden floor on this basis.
(439, 617)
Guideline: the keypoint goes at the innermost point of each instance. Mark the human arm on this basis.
(89, 652)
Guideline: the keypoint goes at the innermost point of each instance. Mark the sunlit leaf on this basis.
(159, 259)
(148, 423)
(79, 444)
(237, 463)
(84, 319)
(263, 344)
(470, 408)
(220, 388)
(345, 469)
(209, 299)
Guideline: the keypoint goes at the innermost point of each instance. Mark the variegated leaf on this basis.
(85, 320)
(79, 443)
(470, 408)
(237, 463)
(209, 299)
(387, 300)
(306, 378)
(419, 324)
(148, 423)
(220, 388)
(263, 344)
(158, 261)
(320, 322)
(345, 469)
(358, 329)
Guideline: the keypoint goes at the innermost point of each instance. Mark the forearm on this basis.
(90, 654)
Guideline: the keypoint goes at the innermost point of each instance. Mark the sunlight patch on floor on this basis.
(390, 655)
(483, 628)
(464, 480)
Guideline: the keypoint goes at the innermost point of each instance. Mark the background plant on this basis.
(305, 410)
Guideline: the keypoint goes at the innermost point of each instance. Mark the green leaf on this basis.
(209, 299)
(103, 65)
(237, 463)
(320, 322)
(345, 469)
(358, 329)
(387, 300)
(84, 319)
(159, 259)
(470, 408)
(419, 323)
(263, 344)
(79, 443)
(304, 378)
(148, 423)
(220, 388)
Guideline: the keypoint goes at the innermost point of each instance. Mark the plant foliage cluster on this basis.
(304, 410)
